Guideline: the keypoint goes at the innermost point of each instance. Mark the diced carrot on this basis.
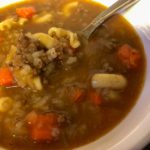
(129, 56)
(95, 97)
(43, 127)
(78, 95)
(26, 12)
(6, 77)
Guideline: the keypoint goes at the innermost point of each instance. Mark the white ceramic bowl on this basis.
(134, 131)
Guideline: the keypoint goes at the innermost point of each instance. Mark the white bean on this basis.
(113, 81)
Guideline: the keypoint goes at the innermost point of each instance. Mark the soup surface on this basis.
(56, 91)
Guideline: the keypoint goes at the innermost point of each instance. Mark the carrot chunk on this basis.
(6, 77)
(43, 127)
(26, 12)
(78, 95)
(129, 56)
(95, 97)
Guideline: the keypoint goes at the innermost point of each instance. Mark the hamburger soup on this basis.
(56, 91)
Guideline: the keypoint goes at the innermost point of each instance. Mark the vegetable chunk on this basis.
(95, 97)
(43, 127)
(78, 95)
(129, 56)
(26, 12)
(6, 78)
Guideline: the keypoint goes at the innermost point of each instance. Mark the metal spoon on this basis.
(120, 5)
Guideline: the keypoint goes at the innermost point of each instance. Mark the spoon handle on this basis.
(113, 9)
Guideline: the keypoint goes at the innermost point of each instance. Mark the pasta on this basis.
(5, 104)
(42, 18)
(7, 24)
(11, 54)
(11, 22)
(68, 8)
(59, 32)
(22, 21)
(45, 39)
(25, 78)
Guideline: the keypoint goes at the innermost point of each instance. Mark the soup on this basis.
(56, 91)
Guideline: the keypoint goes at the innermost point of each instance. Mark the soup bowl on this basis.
(132, 133)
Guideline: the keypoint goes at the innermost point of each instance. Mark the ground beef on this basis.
(31, 52)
